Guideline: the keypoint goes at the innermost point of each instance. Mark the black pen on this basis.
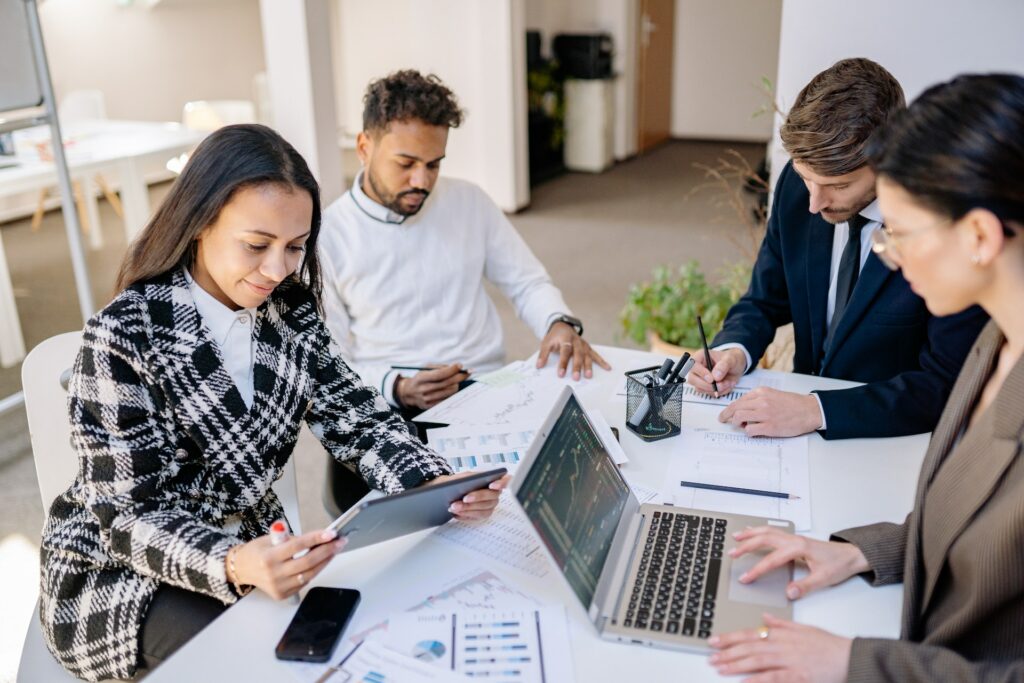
(707, 354)
(418, 368)
(678, 368)
(737, 489)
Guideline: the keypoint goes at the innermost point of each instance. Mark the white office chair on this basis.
(44, 376)
(209, 115)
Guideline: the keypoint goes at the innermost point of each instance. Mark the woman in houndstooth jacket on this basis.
(181, 422)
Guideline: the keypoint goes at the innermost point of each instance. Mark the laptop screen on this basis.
(574, 496)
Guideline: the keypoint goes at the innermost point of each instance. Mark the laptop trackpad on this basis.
(770, 589)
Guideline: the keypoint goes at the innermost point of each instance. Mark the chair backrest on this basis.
(82, 105)
(44, 375)
(209, 115)
(46, 408)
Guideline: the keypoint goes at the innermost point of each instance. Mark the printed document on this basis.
(737, 460)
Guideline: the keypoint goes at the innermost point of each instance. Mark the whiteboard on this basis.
(19, 81)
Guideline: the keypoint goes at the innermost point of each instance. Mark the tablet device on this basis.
(382, 519)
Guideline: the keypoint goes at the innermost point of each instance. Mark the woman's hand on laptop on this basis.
(827, 562)
(477, 504)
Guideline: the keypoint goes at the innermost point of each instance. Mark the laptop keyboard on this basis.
(677, 578)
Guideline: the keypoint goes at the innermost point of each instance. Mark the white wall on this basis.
(723, 48)
(150, 61)
(477, 49)
(921, 42)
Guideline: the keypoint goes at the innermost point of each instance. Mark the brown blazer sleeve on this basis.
(878, 659)
(884, 545)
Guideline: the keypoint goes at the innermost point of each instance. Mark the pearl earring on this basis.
(976, 259)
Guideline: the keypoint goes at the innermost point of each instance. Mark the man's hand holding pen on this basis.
(430, 386)
(729, 366)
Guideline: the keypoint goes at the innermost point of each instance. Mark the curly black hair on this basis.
(407, 95)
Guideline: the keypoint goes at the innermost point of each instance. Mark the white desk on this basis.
(852, 483)
(118, 147)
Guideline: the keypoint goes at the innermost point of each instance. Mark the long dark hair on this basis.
(230, 159)
(960, 146)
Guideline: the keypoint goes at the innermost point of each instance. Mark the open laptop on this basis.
(654, 575)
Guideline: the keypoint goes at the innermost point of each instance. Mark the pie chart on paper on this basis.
(428, 650)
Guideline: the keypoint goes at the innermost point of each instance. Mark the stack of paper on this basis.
(735, 460)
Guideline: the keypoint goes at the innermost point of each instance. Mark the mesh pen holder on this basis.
(652, 412)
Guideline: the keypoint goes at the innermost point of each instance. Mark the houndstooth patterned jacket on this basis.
(174, 469)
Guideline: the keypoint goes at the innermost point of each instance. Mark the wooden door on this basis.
(654, 73)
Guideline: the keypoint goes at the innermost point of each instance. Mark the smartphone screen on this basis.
(318, 624)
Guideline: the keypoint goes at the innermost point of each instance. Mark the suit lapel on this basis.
(820, 235)
(963, 396)
(208, 401)
(972, 471)
(871, 279)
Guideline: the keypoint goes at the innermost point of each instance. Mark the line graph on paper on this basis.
(691, 395)
(730, 459)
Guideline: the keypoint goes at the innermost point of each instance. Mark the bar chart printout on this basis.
(493, 645)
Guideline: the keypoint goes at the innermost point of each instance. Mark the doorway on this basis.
(654, 72)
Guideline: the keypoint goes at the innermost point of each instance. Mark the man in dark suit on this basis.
(853, 318)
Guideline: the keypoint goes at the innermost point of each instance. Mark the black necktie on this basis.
(849, 268)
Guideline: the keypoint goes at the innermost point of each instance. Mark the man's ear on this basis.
(364, 147)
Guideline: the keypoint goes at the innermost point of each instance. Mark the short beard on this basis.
(847, 214)
(393, 202)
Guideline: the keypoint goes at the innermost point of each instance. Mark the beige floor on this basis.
(596, 234)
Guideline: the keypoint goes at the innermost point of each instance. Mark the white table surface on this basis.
(852, 482)
(100, 145)
(107, 146)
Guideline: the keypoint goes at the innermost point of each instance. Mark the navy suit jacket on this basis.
(886, 338)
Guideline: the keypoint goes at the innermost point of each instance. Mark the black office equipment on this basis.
(584, 55)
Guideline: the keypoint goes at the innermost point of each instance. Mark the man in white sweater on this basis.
(405, 254)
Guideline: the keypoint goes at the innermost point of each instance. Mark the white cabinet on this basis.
(589, 124)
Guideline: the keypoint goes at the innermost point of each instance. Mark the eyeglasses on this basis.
(886, 244)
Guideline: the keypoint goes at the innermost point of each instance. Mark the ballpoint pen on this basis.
(737, 489)
(707, 354)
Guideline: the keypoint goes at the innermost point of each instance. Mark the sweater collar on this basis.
(371, 208)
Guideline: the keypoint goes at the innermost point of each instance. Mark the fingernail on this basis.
(744, 578)
(736, 534)
(792, 592)
(455, 507)
(340, 544)
(714, 640)
(733, 552)
(328, 535)
(713, 658)
(468, 499)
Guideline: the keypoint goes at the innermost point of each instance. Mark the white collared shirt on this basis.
(840, 236)
(410, 290)
(232, 332)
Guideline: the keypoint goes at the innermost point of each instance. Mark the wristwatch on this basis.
(572, 322)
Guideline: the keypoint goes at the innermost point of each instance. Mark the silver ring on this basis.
(762, 632)
(302, 579)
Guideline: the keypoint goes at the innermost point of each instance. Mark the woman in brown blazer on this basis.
(951, 188)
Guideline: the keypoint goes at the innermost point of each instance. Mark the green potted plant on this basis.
(663, 311)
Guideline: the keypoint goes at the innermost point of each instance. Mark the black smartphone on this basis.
(318, 624)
